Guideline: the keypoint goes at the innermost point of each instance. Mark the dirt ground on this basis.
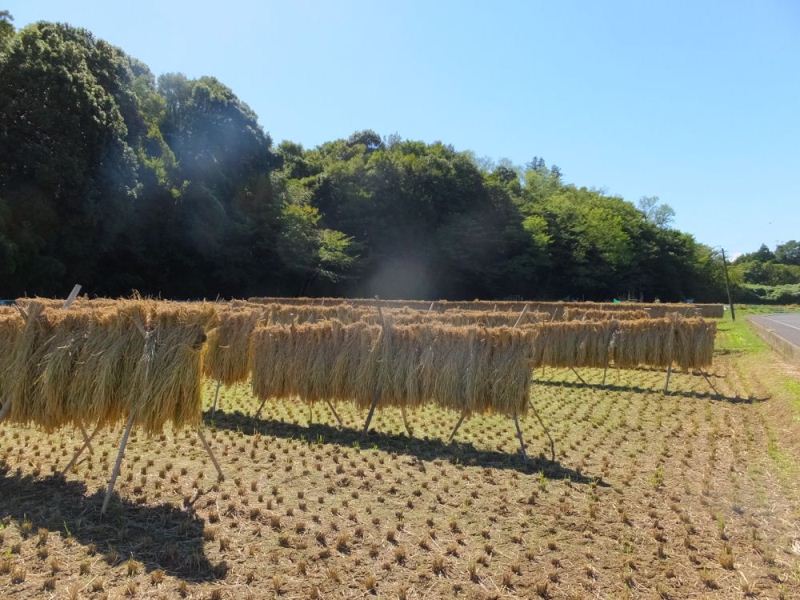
(693, 494)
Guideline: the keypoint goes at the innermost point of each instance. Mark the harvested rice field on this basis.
(692, 494)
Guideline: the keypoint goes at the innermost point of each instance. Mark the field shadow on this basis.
(424, 449)
(710, 395)
(160, 537)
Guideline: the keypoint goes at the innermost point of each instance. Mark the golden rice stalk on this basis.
(23, 361)
(60, 351)
(102, 383)
(580, 314)
(226, 358)
(167, 385)
(10, 327)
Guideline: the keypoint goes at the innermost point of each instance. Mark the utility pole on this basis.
(728, 284)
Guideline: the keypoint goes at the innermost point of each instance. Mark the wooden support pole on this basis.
(149, 349)
(704, 374)
(455, 429)
(377, 392)
(118, 463)
(86, 438)
(260, 407)
(546, 431)
(371, 412)
(73, 295)
(210, 453)
(519, 435)
(611, 345)
(335, 414)
(578, 375)
(522, 314)
(405, 421)
(669, 373)
(86, 444)
(671, 348)
(216, 396)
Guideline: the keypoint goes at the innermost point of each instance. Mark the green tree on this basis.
(788, 253)
(656, 212)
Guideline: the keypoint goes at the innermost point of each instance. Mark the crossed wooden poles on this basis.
(150, 339)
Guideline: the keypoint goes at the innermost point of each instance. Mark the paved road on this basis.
(786, 325)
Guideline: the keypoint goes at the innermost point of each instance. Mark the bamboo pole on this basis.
(210, 453)
(455, 429)
(671, 348)
(376, 394)
(260, 407)
(86, 438)
(118, 462)
(149, 348)
(77, 454)
(519, 435)
(519, 318)
(335, 414)
(73, 295)
(704, 374)
(611, 345)
(405, 421)
(216, 396)
(578, 375)
(546, 431)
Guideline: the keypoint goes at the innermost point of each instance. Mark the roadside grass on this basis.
(754, 357)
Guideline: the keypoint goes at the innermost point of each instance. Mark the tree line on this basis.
(122, 181)
(767, 276)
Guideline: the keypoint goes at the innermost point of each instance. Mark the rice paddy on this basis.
(689, 494)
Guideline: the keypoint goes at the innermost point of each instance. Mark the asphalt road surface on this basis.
(786, 325)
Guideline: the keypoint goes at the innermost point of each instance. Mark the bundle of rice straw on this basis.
(88, 365)
(694, 343)
(50, 402)
(227, 357)
(581, 314)
(10, 326)
(102, 382)
(565, 344)
(167, 385)
(23, 359)
(689, 343)
(469, 369)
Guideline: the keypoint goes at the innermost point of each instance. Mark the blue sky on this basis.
(695, 102)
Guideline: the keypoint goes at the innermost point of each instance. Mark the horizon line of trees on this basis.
(122, 181)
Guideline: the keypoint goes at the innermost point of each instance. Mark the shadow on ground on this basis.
(161, 536)
(710, 395)
(422, 449)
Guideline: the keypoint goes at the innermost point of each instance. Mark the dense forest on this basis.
(122, 181)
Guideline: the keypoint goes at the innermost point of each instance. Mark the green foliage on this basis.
(113, 179)
(788, 253)
(769, 294)
(6, 29)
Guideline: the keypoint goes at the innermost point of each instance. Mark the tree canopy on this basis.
(120, 181)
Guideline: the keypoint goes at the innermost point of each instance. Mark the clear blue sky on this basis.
(696, 102)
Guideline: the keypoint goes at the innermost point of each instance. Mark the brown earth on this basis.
(689, 495)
